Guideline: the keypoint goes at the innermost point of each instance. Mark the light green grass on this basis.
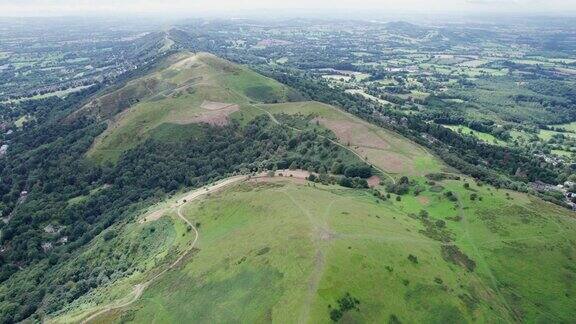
(23, 119)
(563, 153)
(568, 126)
(485, 137)
(285, 253)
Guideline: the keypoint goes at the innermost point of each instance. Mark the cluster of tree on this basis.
(381, 94)
(401, 187)
(345, 304)
(350, 176)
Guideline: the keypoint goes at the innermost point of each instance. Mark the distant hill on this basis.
(155, 43)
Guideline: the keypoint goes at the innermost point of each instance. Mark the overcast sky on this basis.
(198, 7)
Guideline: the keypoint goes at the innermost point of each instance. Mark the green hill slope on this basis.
(279, 250)
(201, 88)
(430, 246)
(187, 89)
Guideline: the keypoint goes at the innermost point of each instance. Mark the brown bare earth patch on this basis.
(354, 133)
(212, 105)
(297, 176)
(373, 181)
(390, 161)
(214, 113)
(151, 217)
(186, 63)
(423, 200)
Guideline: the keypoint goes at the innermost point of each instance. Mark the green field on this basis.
(485, 137)
(569, 127)
(286, 252)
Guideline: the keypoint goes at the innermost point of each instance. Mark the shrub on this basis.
(109, 235)
(360, 171)
(346, 303)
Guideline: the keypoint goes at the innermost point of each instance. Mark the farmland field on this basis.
(485, 137)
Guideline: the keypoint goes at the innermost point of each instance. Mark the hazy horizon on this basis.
(183, 8)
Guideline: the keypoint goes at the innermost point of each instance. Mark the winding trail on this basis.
(181, 202)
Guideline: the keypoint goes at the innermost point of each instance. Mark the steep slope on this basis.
(440, 247)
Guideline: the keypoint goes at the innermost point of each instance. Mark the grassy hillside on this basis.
(187, 89)
(202, 88)
(434, 247)
(285, 251)
(385, 149)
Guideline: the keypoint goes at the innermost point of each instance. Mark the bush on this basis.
(109, 235)
(353, 182)
(450, 195)
(360, 171)
(346, 303)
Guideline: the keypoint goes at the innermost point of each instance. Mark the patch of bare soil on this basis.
(423, 200)
(389, 161)
(297, 176)
(212, 105)
(325, 234)
(186, 63)
(151, 217)
(217, 114)
(354, 133)
(373, 181)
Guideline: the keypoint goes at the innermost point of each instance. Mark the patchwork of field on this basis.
(287, 252)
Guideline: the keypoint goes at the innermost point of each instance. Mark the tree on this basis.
(337, 168)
